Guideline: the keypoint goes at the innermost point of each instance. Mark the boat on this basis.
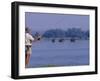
(72, 40)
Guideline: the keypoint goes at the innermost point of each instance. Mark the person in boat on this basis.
(29, 39)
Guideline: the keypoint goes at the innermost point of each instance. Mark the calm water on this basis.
(48, 54)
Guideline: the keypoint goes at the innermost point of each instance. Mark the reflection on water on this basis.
(48, 54)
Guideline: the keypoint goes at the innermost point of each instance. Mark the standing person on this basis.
(28, 45)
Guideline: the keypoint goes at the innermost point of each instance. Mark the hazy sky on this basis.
(45, 21)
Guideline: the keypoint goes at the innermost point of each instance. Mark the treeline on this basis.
(71, 33)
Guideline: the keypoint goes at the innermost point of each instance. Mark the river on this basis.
(48, 54)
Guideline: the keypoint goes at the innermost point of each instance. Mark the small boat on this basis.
(61, 40)
(72, 40)
(53, 40)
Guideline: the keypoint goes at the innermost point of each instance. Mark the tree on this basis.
(71, 32)
(56, 33)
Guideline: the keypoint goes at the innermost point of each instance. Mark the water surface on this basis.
(48, 54)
